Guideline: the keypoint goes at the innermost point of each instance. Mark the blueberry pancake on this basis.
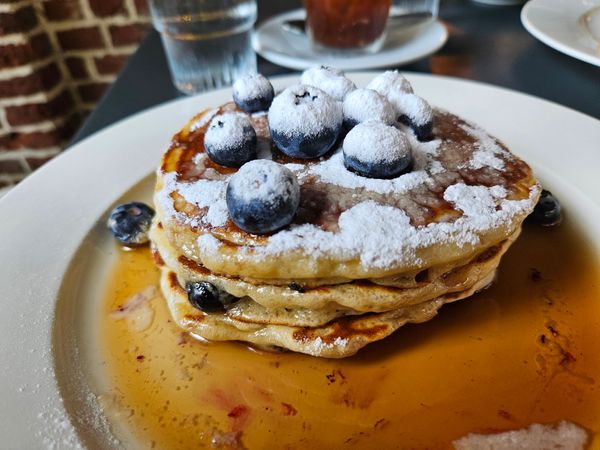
(320, 226)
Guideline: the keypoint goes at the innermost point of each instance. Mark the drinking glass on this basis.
(207, 42)
(424, 8)
(355, 26)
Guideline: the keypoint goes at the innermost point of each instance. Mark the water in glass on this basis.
(207, 42)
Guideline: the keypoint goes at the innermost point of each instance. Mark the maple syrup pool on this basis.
(522, 351)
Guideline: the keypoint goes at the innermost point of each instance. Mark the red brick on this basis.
(105, 8)
(77, 68)
(39, 139)
(59, 10)
(85, 38)
(141, 6)
(36, 162)
(20, 21)
(37, 48)
(92, 92)
(38, 112)
(11, 166)
(110, 64)
(127, 34)
(42, 79)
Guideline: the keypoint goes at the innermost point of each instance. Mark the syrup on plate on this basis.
(522, 351)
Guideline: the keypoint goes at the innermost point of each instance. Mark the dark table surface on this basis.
(486, 43)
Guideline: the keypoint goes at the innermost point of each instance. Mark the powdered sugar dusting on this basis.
(252, 86)
(265, 181)
(375, 142)
(487, 151)
(202, 120)
(392, 240)
(207, 194)
(306, 110)
(329, 80)
(390, 81)
(411, 106)
(365, 104)
(228, 130)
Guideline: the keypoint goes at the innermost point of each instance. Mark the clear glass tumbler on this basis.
(349, 26)
(207, 42)
(416, 8)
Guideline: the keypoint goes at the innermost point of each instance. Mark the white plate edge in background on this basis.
(546, 33)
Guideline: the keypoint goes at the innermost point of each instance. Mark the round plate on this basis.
(48, 221)
(293, 50)
(558, 24)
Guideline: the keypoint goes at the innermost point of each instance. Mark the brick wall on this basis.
(57, 57)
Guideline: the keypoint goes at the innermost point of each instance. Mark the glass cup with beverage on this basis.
(207, 42)
(354, 26)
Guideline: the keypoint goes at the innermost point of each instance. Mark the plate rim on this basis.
(36, 190)
(297, 63)
(533, 28)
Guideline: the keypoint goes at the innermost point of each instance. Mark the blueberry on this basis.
(230, 139)
(207, 297)
(129, 223)
(365, 104)
(414, 112)
(375, 150)
(330, 80)
(262, 196)
(253, 93)
(548, 211)
(304, 121)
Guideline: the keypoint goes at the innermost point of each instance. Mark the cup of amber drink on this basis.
(347, 25)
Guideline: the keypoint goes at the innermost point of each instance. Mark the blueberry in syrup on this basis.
(375, 150)
(548, 211)
(230, 139)
(207, 297)
(263, 196)
(304, 121)
(129, 223)
(253, 92)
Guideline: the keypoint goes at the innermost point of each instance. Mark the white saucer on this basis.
(557, 23)
(293, 50)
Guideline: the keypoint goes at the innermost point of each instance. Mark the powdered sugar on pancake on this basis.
(488, 149)
(334, 172)
(382, 236)
(382, 223)
(209, 194)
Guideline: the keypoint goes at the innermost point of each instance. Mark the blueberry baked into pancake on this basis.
(326, 217)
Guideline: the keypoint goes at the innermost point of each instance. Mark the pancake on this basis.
(362, 256)
(339, 338)
(353, 297)
(466, 193)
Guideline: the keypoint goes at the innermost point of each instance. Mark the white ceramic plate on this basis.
(56, 253)
(293, 50)
(558, 24)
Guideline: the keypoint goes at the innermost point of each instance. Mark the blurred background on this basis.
(57, 58)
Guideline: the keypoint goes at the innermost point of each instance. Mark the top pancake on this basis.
(466, 192)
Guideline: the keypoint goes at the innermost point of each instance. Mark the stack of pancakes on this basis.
(361, 258)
